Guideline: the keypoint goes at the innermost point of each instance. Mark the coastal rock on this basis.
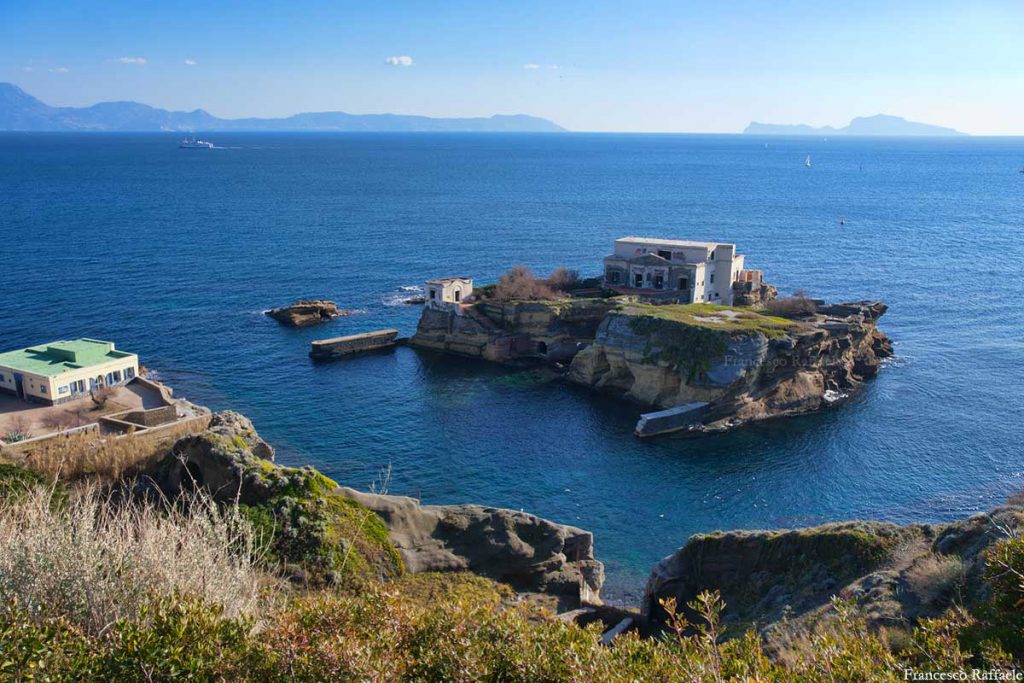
(552, 331)
(745, 366)
(307, 312)
(525, 551)
(784, 580)
(312, 521)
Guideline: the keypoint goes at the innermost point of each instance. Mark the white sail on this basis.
(807, 161)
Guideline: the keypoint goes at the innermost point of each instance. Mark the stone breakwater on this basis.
(737, 365)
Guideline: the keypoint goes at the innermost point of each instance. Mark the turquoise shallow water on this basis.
(175, 253)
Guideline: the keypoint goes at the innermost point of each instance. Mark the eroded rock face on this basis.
(784, 580)
(503, 332)
(313, 521)
(307, 312)
(743, 376)
(525, 551)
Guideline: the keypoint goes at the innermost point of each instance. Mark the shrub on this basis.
(563, 279)
(18, 430)
(520, 284)
(93, 562)
(796, 306)
(101, 395)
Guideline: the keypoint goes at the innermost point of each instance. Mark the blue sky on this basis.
(602, 66)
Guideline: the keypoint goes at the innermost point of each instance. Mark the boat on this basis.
(807, 161)
(192, 143)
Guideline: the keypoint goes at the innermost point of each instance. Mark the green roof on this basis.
(61, 356)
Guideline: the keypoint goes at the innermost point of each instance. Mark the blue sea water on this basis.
(175, 254)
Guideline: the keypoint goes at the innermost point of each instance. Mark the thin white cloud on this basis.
(132, 60)
(26, 68)
(531, 66)
(60, 69)
(190, 62)
(399, 60)
(554, 66)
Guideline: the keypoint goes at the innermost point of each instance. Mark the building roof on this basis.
(61, 356)
(446, 280)
(673, 243)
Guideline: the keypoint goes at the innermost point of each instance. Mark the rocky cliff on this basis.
(506, 332)
(321, 532)
(738, 365)
(783, 581)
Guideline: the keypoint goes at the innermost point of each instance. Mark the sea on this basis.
(176, 254)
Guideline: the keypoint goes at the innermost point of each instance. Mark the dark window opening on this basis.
(684, 284)
(667, 255)
(457, 294)
(659, 281)
(433, 294)
(613, 276)
(542, 348)
(639, 280)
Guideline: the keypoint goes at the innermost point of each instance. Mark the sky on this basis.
(645, 66)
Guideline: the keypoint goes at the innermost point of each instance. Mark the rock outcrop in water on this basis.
(783, 581)
(321, 529)
(743, 365)
(307, 312)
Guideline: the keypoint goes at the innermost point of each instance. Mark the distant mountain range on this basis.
(880, 125)
(19, 111)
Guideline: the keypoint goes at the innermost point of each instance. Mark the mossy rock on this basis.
(305, 521)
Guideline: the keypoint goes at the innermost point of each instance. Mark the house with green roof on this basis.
(65, 370)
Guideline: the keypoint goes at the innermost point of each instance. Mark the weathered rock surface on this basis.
(744, 375)
(784, 580)
(314, 521)
(525, 551)
(307, 312)
(507, 332)
(754, 294)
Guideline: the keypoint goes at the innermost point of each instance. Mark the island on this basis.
(679, 327)
(880, 125)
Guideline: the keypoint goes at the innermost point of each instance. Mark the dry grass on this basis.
(89, 454)
(936, 580)
(797, 306)
(93, 561)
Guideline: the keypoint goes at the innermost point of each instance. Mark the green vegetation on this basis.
(330, 537)
(99, 591)
(728, 319)
(691, 337)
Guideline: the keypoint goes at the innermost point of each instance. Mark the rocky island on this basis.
(702, 366)
(306, 312)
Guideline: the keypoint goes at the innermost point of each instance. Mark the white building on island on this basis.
(448, 293)
(676, 270)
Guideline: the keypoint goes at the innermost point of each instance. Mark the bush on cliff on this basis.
(163, 597)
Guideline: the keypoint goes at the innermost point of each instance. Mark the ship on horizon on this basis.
(193, 143)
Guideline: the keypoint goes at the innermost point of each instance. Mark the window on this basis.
(433, 294)
(712, 278)
(684, 284)
(638, 280)
(62, 389)
(129, 373)
(458, 293)
(42, 388)
(659, 281)
(667, 255)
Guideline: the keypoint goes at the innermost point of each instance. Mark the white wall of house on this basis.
(65, 385)
(449, 293)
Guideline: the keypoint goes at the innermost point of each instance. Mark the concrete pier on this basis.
(671, 420)
(326, 349)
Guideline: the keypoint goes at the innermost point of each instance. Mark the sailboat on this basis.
(807, 161)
